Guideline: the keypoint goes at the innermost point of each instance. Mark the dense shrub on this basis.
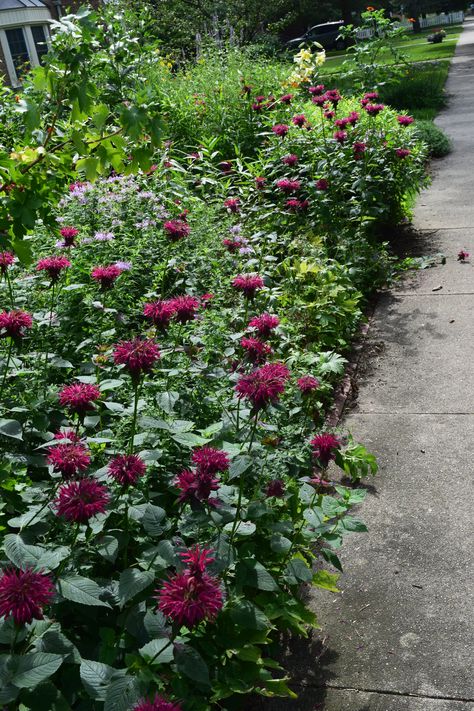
(437, 141)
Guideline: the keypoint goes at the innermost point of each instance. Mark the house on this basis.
(24, 33)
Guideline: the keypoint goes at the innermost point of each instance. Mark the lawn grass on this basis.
(415, 47)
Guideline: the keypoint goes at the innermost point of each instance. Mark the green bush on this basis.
(437, 141)
(420, 88)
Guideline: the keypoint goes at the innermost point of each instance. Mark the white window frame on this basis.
(30, 48)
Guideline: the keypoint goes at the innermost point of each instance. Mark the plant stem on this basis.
(10, 289)
(137, 389)
(48, 337)
(5, 374)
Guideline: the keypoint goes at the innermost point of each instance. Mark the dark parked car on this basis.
(326, 35)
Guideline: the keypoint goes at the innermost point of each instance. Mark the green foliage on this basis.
(437, 141)
(419, 89)
(368, 67)
(104, 642)
(71, 121)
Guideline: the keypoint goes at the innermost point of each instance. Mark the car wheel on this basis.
(340, 44)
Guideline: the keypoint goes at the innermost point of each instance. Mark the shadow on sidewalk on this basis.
(307, 662)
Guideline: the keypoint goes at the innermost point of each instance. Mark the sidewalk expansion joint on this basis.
(436, 294)
(386, 692)
(410, 414)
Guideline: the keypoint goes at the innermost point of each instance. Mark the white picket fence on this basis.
(452, 18)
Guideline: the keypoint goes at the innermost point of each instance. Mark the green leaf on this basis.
(254, 574)
(96, 678)
(248, 616)
(244, 528)
(279, 543)
(167, 401)
(24, 555)
(353, 524)
(189, 439)
(89, 166)
(122, 694)
(81, 590)
(332, 558)
(107, 547)
(152, 519)
(191, 664)
(327, 581)
(34, 668)
(11, 428)
(153, 650)
(133, 581)
(297, 571)
(55, 642)
(239, 466)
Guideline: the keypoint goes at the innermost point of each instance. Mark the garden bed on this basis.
(169, 356)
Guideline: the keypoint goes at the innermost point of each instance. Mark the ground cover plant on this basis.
(170, 337)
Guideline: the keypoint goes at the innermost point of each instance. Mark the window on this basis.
(18, 50)
(39, 38)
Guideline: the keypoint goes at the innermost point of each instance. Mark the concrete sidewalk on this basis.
(401, 633)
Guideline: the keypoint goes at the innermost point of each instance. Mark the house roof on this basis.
(19, 4)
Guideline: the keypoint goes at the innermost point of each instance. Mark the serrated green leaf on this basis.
(81, 590)
(11, 428)
(158, 650)
(191, 664)
(327, 581)
(34, 668)
(133, 581)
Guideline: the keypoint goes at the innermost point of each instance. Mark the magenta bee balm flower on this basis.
(138, 356)
(160, 313)
(195, 485)
(23, 594)
(53, 266)
(374, 109)
(276, 488)
(402, 153)
(322, 184)
(287, 186)
(280, 130)
(325, 446)
(405, 120)
(14, 324)
(232, 204)
(307, 384)
(256, 350)
(80, 500)
(462, 255)
(248, 284)
(6, 260)
(127, 469)
(340, 136)
(69, 459)
(210, 460)
(79, 397)
(106, 276)
(185, 308)
(158, 703)
(264, 324)
(176, 229)
(68, 234)
(192, 596)
(264, 386)
(290, 159)
(299, 120)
